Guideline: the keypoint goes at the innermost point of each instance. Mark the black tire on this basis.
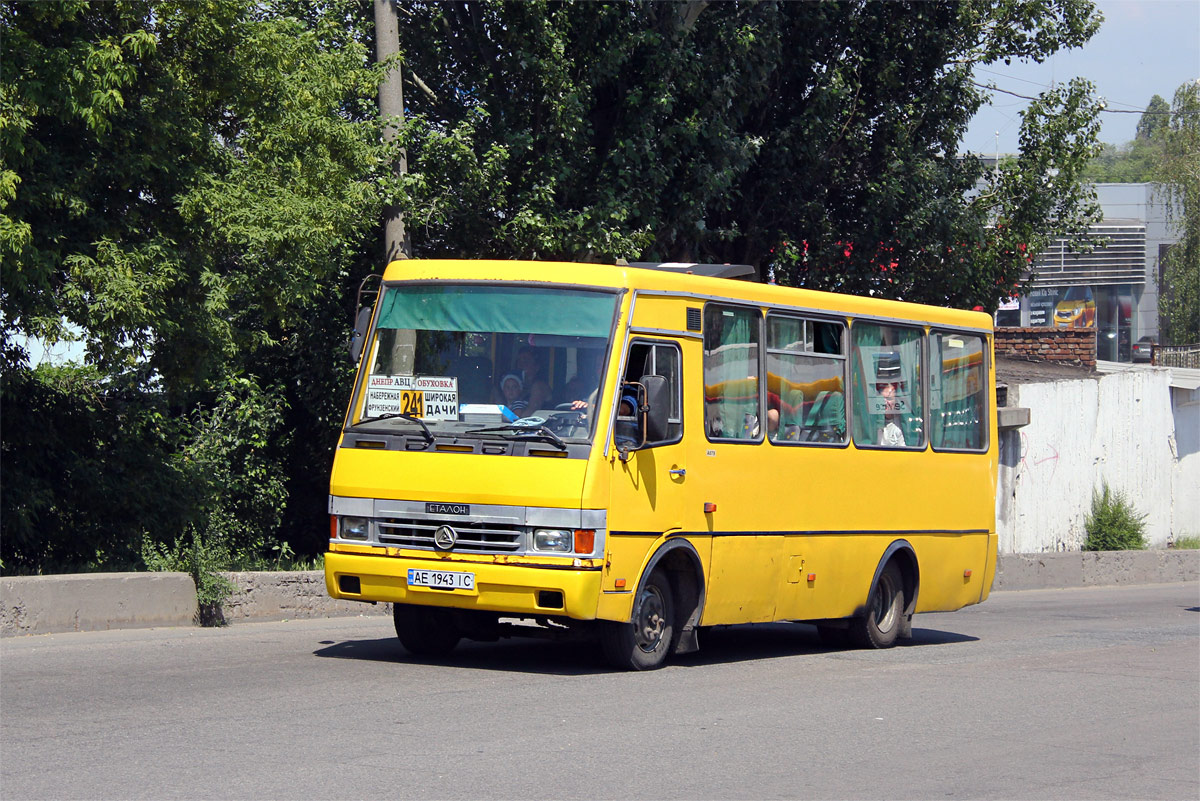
(881, 623)
(644, 642)
(425, 630)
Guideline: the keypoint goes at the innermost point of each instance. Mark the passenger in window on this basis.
(529, 364)
(772, 422)
(580, 390)
(511, 390)
(891, 435)
(539, 395)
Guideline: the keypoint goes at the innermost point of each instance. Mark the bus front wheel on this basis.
(880, 624)
(644, 641)
(425, 630)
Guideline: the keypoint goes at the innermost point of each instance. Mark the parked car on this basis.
(1144, 348)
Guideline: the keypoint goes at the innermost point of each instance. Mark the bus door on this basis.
(732, 482)
(648, 475)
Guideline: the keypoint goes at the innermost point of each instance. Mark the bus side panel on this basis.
(624, 557)
(829, 575)
(745, 573)
(627, 558)
(954, 570)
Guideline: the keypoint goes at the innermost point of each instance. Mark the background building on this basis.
(1114, 288)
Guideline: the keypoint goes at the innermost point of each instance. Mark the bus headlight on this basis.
(551, 539)
(355, 528)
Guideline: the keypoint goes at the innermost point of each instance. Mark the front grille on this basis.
(472, 536)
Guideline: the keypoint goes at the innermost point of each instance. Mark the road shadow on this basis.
(721, 645)
(517, 655)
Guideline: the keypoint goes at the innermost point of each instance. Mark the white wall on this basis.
(1186, 406)
(1118, 428)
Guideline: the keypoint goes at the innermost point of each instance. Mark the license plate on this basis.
(441, 579)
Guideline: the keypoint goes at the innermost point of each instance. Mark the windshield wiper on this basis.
(517, 430)
(412, 418)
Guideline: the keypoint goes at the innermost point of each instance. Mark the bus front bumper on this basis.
(514, 590)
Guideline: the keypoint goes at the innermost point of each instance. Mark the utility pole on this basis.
(391, 110)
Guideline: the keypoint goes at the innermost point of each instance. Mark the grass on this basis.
(1190, 542)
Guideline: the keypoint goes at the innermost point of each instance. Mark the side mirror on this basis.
(360, 333)
(658, 401)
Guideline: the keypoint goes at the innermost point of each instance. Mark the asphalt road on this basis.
(1085, 693)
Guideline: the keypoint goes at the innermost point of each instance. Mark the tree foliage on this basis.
(817, 139)
(1154, 120)
(192, 188)
(1179, 172)
(1134, 162)
(187, 186)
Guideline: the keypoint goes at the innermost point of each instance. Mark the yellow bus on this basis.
(636, 452)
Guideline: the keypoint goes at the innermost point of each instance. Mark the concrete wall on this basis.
(279, 596)
(95, 602)
(1116, 429)
(1111, 568)
(1185, 404)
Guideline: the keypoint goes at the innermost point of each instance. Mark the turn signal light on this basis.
(709, 508)
(332, 527)
(585, 540)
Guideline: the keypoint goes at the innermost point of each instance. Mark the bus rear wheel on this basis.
(879, 626)
(425, 630)
(644, 642)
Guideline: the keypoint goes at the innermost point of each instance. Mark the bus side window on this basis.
(731, 372)
(806, 374)
(660, 359)
(885, 365)
(958, 392)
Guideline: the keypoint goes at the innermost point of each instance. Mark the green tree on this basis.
(1179, 173)
(1154, 119)
(188, 187)
(1131, 163)
(192, 189)
(818, 139)
(1136, 161)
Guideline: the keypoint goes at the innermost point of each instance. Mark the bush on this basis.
(203, 561)
(1114, 524)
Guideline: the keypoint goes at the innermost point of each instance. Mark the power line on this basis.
(1044, 85)
(1103, 110)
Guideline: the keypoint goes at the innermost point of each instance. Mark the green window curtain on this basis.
(731, 342)
(881, 356)
(498, 309)
(957, 393)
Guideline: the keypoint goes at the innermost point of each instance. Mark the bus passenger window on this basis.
(731, 337)
(806, 373)
(958, 392)
(885, 365)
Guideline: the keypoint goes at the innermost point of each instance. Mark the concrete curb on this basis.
(289, 596)
(95, 602)
(1040, 571)
(99, 601)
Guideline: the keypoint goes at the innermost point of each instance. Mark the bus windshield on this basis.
(454, 359)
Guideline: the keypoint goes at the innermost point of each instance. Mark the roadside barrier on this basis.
(100, 601)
